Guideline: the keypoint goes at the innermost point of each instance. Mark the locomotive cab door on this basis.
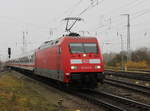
(58, 63)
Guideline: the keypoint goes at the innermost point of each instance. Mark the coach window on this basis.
(52, 43)
(31, 59)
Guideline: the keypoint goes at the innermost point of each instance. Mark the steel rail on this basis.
(135, 70)
(130, 75)
(129, 103)
(130, 86)
(96, 101)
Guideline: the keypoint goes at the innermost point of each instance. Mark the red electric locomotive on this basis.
(71, 60)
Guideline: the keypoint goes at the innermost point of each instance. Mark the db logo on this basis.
(85, 61)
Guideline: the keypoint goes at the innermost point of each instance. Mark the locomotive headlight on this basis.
(73, 67)
(84, 55)
(97, 67)
(67, 74)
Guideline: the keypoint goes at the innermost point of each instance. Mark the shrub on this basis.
(138, 65)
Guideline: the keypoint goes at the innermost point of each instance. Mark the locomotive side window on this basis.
(59, 50)
(76, 48)
(56, 42)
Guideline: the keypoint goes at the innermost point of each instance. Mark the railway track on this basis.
(130, 75)
(132, 70)
(109, 101)
(97, 101)
(127, 85)
(122, 103)
(148, 71)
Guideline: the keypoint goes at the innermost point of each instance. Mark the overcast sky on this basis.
(102, 19)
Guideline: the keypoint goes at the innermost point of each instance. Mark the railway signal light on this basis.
(9, 52)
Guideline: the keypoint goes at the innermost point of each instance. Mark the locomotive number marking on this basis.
(85, 60)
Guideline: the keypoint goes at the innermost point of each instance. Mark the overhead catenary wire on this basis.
(90, 6)
(141, 13)
(68, 11)
(75, 6)
(134, 2)
(134, 15)
(40, 26)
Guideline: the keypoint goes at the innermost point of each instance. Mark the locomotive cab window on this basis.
(76, 48)
(83, 48)
(90, 47)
